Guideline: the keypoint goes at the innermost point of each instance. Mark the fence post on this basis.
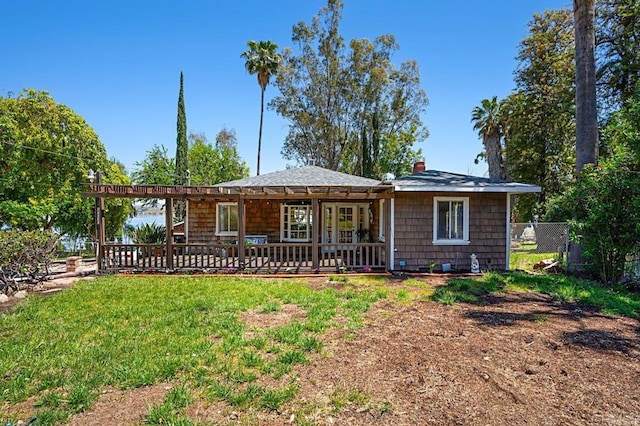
(168, 214)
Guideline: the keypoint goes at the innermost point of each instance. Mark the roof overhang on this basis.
(234, 192)
(515, 189)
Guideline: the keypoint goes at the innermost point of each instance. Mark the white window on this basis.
(227, 219)
(381, 220)
(295, 223)
(451, 220)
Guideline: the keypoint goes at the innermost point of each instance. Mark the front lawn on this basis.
(307, 351)
(612, 300)
(125, 332)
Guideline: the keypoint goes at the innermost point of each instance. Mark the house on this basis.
(310, 218)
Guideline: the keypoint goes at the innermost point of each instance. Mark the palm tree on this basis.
(586, 113)
(488, 123)
(263, 60)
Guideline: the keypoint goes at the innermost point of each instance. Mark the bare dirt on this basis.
(514, 358)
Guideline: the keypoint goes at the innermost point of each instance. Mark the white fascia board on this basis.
(498, 189)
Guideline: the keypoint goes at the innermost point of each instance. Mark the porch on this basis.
(257, 259)
(308, 220)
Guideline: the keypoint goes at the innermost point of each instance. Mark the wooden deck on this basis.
(262, 258)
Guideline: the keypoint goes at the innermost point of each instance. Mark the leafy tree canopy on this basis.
(343, 102)
(46, 151)
(538, 117)
(209, 164)
(214, 164)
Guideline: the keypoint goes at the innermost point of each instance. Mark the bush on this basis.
(149, 233)
(605, 202)
(25, 257)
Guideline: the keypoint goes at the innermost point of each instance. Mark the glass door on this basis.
(347, 224)
(327, 224)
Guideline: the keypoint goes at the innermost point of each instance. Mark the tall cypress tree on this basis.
(182, 151)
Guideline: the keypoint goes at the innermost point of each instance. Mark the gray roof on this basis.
(434, 180)
(302, 176)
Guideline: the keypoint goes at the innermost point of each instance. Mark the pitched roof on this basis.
(435, 180)
(308, 176)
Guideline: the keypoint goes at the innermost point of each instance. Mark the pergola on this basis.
(238, 193)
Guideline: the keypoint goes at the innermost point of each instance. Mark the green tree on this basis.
(539, 116)
(618, 51)
(182, 153)
(262, 60)
(488, 122)
(341, 103)
(396, 154)
(46, 151)
(604, 205)
(215, 164)
(157, 168)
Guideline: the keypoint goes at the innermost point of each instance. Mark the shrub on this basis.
(149, 233)
(25, 257)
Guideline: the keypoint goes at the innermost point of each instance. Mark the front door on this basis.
(347, 224)
(341, 222)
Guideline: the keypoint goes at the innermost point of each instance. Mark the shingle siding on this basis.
(414, 232)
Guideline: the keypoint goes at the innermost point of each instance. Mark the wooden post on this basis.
(100, 228)
(315, 232)
(241, 233)
(168, 219)
(388, 237)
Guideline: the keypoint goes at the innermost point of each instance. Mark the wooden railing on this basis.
(259, 258)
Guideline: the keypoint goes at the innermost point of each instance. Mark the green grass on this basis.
(612, 300)
(127, 332)
(525, 259)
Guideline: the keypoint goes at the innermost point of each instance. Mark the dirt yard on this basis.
(514, 358)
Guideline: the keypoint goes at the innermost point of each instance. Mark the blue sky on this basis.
(117, 64)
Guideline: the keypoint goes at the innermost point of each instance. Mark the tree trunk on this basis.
(494, 156)
(260, 131)
(586, 113)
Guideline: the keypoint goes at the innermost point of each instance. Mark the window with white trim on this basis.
(451, 220)
(295, 222)
(227, 218)
(381, 220)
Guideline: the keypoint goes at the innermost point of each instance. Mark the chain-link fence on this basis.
(632, 266)
(533, 242)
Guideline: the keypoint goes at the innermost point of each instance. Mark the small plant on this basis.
(270, 306)
(432, 266)
(149, 233)
(366, 269)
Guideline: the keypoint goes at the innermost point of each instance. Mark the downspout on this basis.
(508, 231)
(392, 242)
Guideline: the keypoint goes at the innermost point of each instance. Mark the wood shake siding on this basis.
(414, 232)
(262, 218)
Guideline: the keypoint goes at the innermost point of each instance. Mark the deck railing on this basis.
(258, 258)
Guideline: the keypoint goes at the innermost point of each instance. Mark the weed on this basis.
(339, 278)
(402, 295)
(342, 397)
(273, 399)
(293, 357)
(251, 359)
(270, 306)
(81, 397)
(541, 318)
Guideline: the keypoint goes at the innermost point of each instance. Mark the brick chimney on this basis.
(418, 167)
